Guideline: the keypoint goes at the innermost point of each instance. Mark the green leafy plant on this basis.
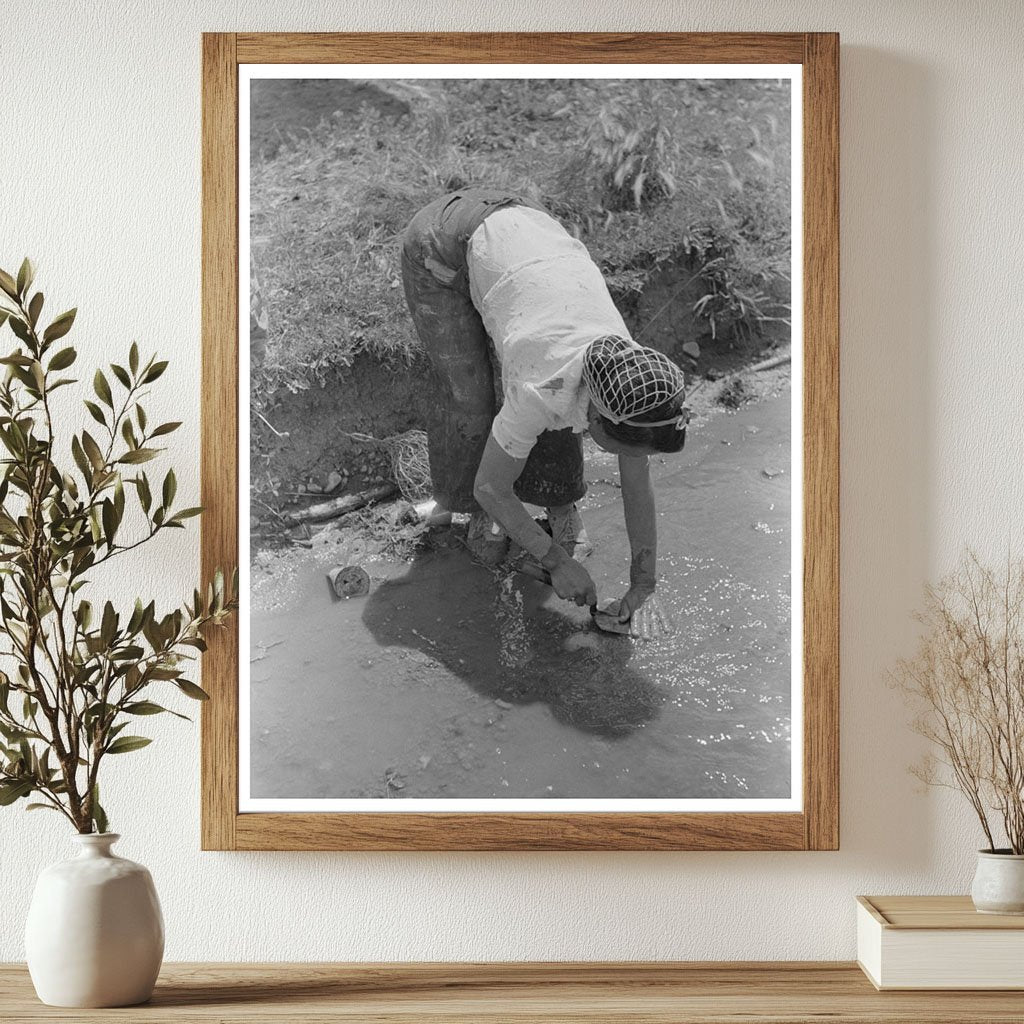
(80, 673)
(631, 146)
(726, 304)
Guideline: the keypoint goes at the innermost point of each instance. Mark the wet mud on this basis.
(445, 681)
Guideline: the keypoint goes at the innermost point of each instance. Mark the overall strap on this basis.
(460, 214)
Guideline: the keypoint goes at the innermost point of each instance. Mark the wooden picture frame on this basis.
(816, 826)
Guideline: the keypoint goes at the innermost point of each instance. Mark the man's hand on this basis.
(642, 610)
(570, 580)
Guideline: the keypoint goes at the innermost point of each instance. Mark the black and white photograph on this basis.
(520, 438)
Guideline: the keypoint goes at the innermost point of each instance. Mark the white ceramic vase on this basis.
(95, 934)
(999, 883)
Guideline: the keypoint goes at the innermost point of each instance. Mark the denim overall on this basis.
(466, 373)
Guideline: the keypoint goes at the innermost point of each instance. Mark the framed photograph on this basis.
(520, 419)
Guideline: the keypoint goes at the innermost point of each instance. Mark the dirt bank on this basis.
(303, 436)
(384, 399)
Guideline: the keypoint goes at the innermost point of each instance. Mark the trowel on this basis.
(605, 620)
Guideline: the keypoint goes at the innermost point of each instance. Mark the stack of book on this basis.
(938, 942)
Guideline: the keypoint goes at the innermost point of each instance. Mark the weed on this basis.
(631, 147)
(646, 173)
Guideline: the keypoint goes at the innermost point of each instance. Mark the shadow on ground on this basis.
(516, 642)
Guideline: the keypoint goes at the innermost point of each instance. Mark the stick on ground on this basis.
(337, 507)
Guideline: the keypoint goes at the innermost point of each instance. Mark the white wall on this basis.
(99, 181)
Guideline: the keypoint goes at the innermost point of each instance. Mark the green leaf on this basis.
(95, 529)
(26, 274)
(81, 461)
(109, 521)
(7, 283)
(119, 499)
(169, 673)
(20, 329)
(154, 371)
(126, 744)
(16, 359)
(145, 498)
(10, 442)
(108, 626)
(185, 513)
(191, 690)
(35, 308)
(143, 707)
(99, 816)
(170, 488)
(151, 631)
(12, 733)
(95, 412)
(15, 790)
(137, 616)
(133, 358)
(139, 455)
(121, 374)
(130, 653)
(128, 433)
(147, 707)
(92, 449)
(60, 326)
(165, 428)
(102, 388)
(63, 359)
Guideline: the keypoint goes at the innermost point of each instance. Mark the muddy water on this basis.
(443, 683)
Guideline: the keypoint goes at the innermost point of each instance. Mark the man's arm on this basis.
(642, 530)
(493, 489)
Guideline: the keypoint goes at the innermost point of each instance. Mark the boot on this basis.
(487, 541)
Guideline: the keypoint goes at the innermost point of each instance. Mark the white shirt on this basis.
(543, 301)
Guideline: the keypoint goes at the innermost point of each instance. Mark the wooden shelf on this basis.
(659, 993)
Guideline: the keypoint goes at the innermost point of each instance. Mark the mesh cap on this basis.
(626, 380)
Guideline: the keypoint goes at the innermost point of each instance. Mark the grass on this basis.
(645, 173)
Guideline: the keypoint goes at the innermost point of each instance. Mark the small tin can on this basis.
(349, 581)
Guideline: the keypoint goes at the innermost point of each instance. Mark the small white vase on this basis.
(95, 934)
(999, 882)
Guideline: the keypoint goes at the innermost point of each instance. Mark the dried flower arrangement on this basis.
(967, 682)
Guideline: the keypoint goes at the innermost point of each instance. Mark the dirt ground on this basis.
(405, 692)
(293, 107)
